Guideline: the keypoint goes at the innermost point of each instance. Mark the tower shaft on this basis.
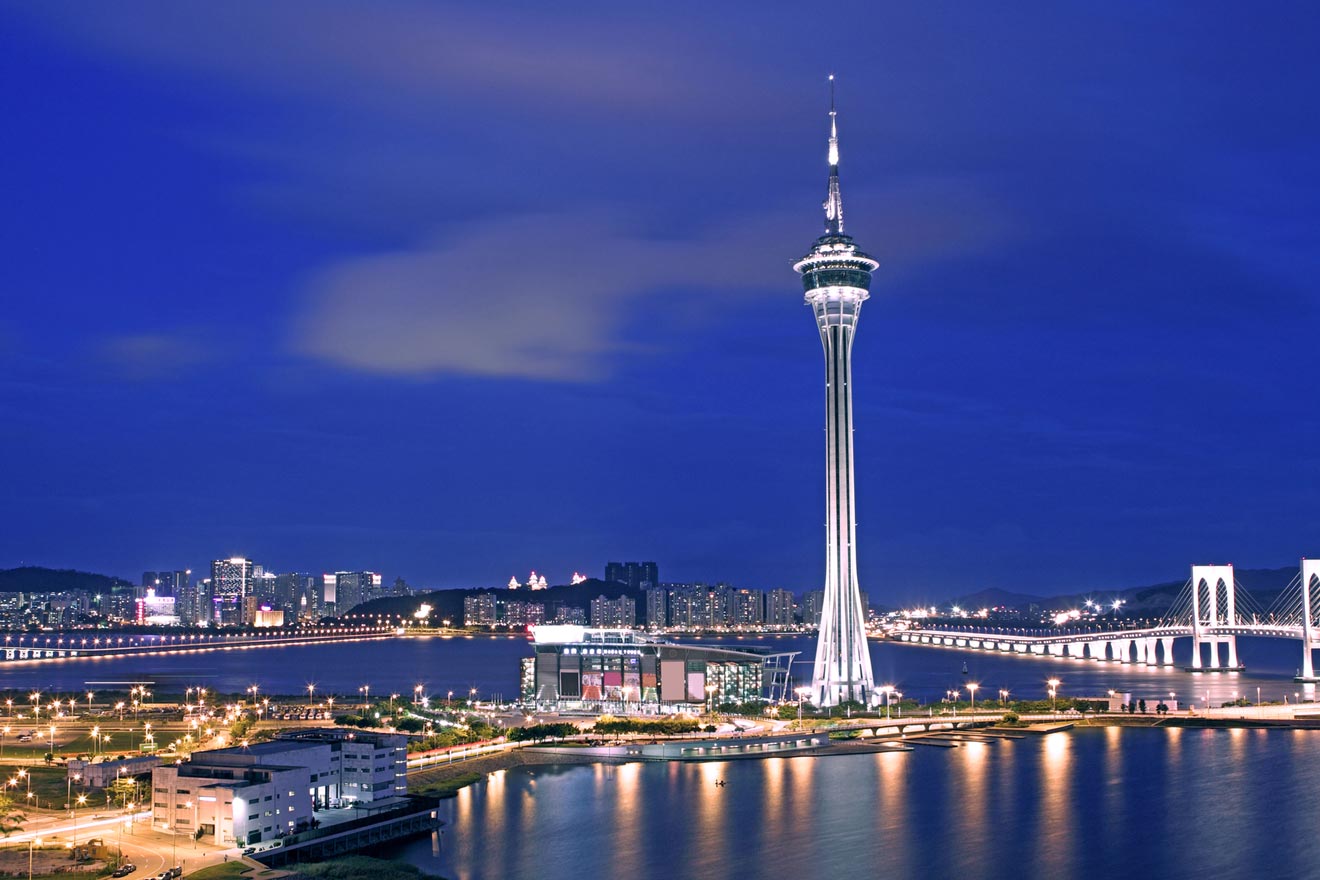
(843, 662)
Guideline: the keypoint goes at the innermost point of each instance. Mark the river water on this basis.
(491, 666)
(1090, 803)
(1137, 803)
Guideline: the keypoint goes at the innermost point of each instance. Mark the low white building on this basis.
(246, 795)
(365, 765)
(101, 771)
(232, 805)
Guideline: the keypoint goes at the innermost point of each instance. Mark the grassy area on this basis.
(448, 787)
(220, 871)
(354, 867)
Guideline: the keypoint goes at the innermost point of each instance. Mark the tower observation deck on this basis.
(836, 277)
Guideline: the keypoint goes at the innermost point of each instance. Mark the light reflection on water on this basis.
(1137, 802)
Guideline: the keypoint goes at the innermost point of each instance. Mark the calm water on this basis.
(491, 666)
(1101, 802)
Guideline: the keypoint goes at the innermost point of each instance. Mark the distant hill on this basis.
(448, 604)
(34, 579)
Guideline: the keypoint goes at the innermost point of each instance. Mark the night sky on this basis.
(455, 292)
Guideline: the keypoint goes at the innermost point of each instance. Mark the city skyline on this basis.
(242, 320)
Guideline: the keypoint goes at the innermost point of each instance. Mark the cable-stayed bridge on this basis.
(1212, 610)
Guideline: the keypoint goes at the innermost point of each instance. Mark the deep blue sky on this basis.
(454, 292)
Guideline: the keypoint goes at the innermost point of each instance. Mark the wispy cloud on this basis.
(549, 296)
(397, 55)
(151, 356)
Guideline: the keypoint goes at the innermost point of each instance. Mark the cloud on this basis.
(550, 296)
(400, 54)
(541, 296)
(150, 356)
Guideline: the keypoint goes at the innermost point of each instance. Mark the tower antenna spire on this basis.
(834, 200)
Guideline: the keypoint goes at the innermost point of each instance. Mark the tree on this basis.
(1161, 708)
(123, 790)
(850, 707)
(12, 816)
(1141, 706)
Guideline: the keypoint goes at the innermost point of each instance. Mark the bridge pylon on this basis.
(1214, 604)
(1310, 583)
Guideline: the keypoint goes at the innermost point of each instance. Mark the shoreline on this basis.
(447, 780)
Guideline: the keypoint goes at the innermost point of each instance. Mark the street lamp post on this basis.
(802, 693)
(81, 801)
(1054, 692)
(36, 841)
(310, 689)
(971, 689)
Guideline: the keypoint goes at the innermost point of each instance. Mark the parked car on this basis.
(124, 870)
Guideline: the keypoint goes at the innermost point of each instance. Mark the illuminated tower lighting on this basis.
(837, 278)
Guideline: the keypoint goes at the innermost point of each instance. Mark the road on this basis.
(150, 849)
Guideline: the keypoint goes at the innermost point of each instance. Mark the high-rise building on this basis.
(177, 584)
(231, 584)
(290, 590)
(620, 613)
(264, 588)
(166, 583)
(813, 605)
(698, 606)
(746, 608)
(638, 575)
(779, 608)
(480, 610)
(836, 277)
(521, 613)
(657, 608)
(353, 588)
